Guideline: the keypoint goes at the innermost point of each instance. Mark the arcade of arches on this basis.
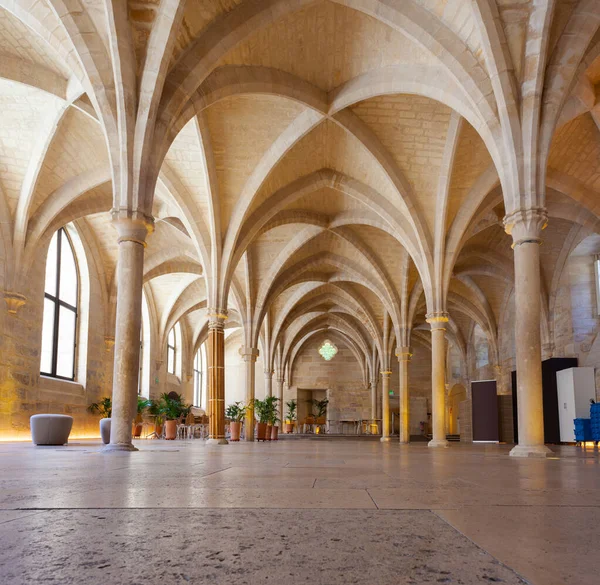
(238, 181)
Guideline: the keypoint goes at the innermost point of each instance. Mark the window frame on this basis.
(58, 303)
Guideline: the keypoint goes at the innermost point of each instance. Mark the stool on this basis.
(50, 429)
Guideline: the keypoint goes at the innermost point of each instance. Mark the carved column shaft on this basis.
(385, 405)
(404, 356)
(216, 377)
(249, 355)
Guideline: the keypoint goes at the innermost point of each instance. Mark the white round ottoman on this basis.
(50, 429)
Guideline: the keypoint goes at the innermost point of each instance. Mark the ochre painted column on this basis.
(216, 376)
(385, 406)
(249, 355)
(525, 227)
(281, 407)
(132, 232)
(404, 355)
(438, 321)
(268, 383)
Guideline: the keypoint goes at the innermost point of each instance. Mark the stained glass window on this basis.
(328, 350)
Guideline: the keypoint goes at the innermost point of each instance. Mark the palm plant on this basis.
(321, 406)
(142, 404)
(104, 407)
(261, 411)
(236, 412)
(271, 402)
(173, 408)
(292, 405)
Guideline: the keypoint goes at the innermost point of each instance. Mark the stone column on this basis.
(216, 376)
(374, 396)
(249, 355)
(404, 355)
(385, 406)
(280, 381)
(525, 227)
(438, 321)
(268, 383)
(132, 232)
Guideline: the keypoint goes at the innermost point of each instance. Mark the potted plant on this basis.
(321, 406)
(274, 426)
(142, 404)
(172, 408)
(154, 409)
(290, 417)
(261, 412)
(235, 413)
(104, 408)
(271, 405)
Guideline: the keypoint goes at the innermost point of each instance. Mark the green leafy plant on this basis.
(154, 408)
(104, 407)
(271, 402)
(321, 406)
(261, 411)
(292, 406)
(236, 411)
(142, 404)
(172, 406)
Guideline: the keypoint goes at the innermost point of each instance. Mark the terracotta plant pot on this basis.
(274, 433)
(171, 430)
(105, 430)
(289, 428)
(235, 429)
(268, 432)
(137, 430)
(261, 431)
(158, 429)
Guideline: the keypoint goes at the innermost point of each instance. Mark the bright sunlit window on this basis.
(59, 327)
(198, 378)
(173, 348)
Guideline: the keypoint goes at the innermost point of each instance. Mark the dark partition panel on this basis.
(550, 397)
(485, 411)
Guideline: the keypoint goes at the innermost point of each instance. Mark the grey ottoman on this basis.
(50, 429)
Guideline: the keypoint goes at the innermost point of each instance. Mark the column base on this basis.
(221, 441)
(118, 447)
(438, 444)
(386, 439)
(539, 451)
(404, 442)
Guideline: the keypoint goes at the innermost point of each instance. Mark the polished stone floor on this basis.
(318, 512)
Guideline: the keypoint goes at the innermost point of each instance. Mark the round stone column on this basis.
(216, 376)
(374, 396)
(249, 355)
(525, 227)
(280, 381)
(132, 232)
(404, 355)
(437, 322)
(268, 383)
(385, 406)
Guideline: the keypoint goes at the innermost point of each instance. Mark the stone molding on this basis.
(14, 301)
(437, 320)
(386, 373)
(404, 354)
(526, 225)
(249, 353)
(132, 226)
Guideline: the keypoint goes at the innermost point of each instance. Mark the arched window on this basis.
(61, 293)
(172, 351)
(198, 378)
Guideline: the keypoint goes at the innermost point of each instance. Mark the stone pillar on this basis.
(268, 383)
(132, 232)
(438, 321)
(216, 376)
(280, 381)
(385, 406)
(374, 396)
(404, 356)
(249, 355)
(525, 227)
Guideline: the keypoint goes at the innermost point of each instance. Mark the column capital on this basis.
(269, 373)
(249, 354)
(217, 318)
(132, 226)
(281, 381)
(437, 320)
(386, 373)
(403, 353)
(14, 301)
(526, 225)
(109, 342)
